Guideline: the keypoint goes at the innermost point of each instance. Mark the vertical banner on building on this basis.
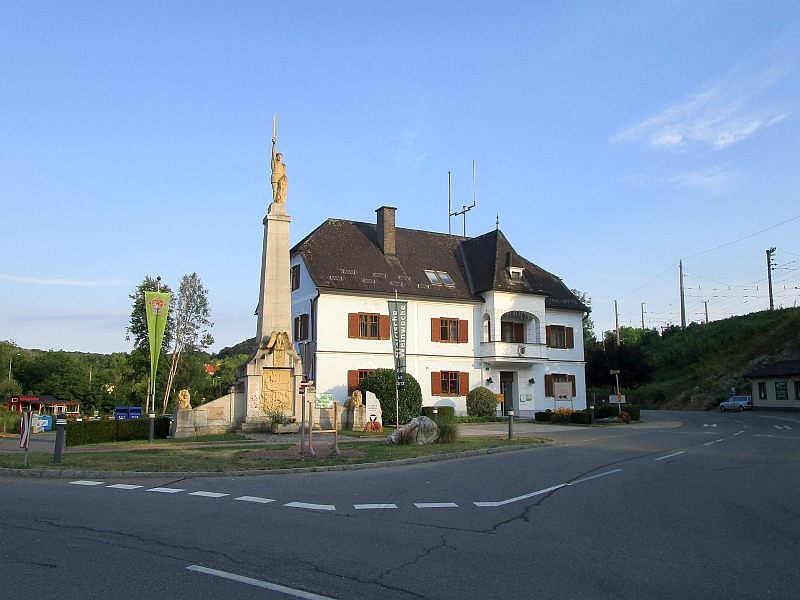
(398, 316)
(156, 306)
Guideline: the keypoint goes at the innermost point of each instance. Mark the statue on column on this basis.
(279, 180)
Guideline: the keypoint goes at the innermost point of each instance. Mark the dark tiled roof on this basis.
(345, 255)
(784, 368)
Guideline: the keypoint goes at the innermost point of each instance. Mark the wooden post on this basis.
(310, 430)
(336, 429)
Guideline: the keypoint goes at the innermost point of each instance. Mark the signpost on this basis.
(398, 316)
(25, 434)
(615, 373)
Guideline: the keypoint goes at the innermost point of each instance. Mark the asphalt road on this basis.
(702, 508)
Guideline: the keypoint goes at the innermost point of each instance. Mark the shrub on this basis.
(448, 432)
(634, 411)
(543, 417)
(382, 383)
(562, 416)
(445, 413)
(9, 421)
(582, 418)
(105, 431)
(624, 416)
(481, 402)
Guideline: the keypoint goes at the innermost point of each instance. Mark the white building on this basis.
(478, 314)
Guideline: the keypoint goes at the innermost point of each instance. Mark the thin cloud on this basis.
(73, 282)
(726, 112)
(716, 180)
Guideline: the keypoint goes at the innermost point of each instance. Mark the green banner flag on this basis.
(157, 306)
(398, 317)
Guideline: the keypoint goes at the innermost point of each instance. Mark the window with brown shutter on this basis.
(548, 386)
(463, 331)
(436, 330)
(355, 377)
(548, 336)
(367, 326)
(557, 336)
(385, 327)
(512, 332)
(295, 277)
(570, 337)
(301, 328)
(549, 380)
(436, 383)
(463, 384)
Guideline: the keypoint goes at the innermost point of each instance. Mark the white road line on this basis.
(258, 583)
(166, 490)
(373, 506)
(436, 505)
(594, 476)
(207, 494)
(310, 506)
(124, 486)
(84, 482)
(739, 432)
(255, 499)
(671, 455)
(778, 426)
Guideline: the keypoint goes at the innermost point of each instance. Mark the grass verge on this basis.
(272, 456)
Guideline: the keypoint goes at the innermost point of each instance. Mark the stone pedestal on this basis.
(183, 424)
(354, 419)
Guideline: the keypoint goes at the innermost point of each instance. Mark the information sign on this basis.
(324, 401)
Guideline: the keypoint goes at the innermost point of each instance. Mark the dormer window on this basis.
(515, 273)
(440, 278)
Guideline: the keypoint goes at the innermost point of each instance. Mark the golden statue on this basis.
(184, 400)
(279, 180)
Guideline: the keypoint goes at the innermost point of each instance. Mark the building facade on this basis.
(776, 385)
(478, 315)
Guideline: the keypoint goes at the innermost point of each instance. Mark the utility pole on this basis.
(683, 301)
(706, 305)
(770, 266)
(616, 319)
(643, 303)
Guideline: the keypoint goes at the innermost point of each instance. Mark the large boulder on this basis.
(419, 430)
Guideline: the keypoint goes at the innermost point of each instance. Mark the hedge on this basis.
(543, 417)
(382, 383)
(481, 402)
(603, 411)
(445, 413)
(105, 431)
(582, 418)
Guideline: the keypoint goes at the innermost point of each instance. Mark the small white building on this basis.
(478, 315)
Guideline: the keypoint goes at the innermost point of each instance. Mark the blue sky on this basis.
(612, 139)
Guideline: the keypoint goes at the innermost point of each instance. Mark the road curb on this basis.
(69, 474)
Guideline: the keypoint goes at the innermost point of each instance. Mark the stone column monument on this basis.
(272, 373)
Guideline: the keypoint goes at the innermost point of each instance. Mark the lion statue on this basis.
(184, 400)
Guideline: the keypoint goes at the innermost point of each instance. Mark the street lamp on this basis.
(10, 360)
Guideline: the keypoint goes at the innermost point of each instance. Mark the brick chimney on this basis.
(386, 230)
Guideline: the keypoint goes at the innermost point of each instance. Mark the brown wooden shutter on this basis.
(436, 383)
(463, 384)
(352, 382)
(549, 338)
(463, 331)
(296, 328)
(518, 336)
(436, 330)
(570, 335)
(385, 327)
(571, 379)
(548, 386)
(352, 325)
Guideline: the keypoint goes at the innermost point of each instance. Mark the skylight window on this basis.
(445, 278)
(440, 278)
(433, 277)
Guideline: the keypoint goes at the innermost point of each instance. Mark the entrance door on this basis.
(506, 388)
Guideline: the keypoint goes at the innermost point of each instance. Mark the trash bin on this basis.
(47, 422)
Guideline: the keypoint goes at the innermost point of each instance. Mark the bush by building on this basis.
(444, 413)
(481, 402)
(381, 382)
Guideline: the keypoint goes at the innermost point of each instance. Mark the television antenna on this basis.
(464, 208)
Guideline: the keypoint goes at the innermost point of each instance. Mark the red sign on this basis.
(25, 429)
(303, 385)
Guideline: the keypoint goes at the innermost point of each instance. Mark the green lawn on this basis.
(225, 458)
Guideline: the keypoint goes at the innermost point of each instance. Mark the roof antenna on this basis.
(497, 222)
(464, 208)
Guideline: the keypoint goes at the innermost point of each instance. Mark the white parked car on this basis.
(739, 403)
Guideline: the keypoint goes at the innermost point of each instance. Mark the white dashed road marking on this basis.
(709, 425)
(373, 506)
(739, 432)
(436, 505)
(84, 482)
(544, 491)
(255, 499)
(166, 490)
(671, 455)
(258, 583)
(308, 506)
(714, 442)
(124, 486)
(208, 494)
